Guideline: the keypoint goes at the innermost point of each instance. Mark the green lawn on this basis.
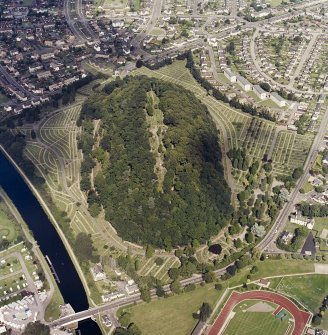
(309, 290)
(172, 315)
(255, 323)
(8, 227)
(136, 4)
(307, 187)
(53, 311)
(275, 3)
(271, 267)
(320, 224)
(268, 103)
(157, 32)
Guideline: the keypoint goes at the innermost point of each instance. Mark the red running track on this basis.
(301, 318)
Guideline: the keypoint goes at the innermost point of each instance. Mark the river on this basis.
(49, 241)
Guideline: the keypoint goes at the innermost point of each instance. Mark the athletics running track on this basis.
(301, 318)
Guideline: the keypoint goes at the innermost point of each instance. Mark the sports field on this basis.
(254, 322)
(242, 323)
(310, 290)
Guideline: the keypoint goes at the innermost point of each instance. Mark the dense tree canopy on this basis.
(161, 179)
(36, 328)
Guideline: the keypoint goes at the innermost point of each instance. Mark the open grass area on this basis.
(320, 224)
(52, 311)
(255, 323)
(157, 32)
(275, 3)
(270, 268)
(172, 315)
(9, 265)
(307, 187)
(309, 290)
(8, 227)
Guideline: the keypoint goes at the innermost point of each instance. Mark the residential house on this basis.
(259, 91)
(230, 75)
(98, 273)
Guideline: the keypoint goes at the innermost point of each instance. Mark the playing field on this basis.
(310, 290)
(260, 312)
(255, 323)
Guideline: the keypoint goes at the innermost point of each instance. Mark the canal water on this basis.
(49, 241)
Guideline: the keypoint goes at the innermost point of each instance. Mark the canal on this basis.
(49, 241)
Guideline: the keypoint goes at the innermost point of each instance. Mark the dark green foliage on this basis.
(145, 294)
(84, 249)
(132, 329)
(266, 87)
(193, 203)
(249, 237)
(205, 312)
(160, 291)
(239, 159)
(190, 287)
(254, 269)
(296, 242)
(175, 287)
(218, 287)
(209, 277)
(149, 251)
(173, 273)
(237, 243)
(316, 320)
(159, 261)
(36, 328)
(313, 210)
(221, 96)
(297, 173)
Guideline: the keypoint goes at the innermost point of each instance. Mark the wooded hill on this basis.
(159, 174)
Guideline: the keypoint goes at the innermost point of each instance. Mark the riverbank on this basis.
(19, 189)
(55, 298)
(51, 218)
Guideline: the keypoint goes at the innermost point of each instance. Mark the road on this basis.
(304, 58)
(154, 16)
(77, 22)
(287, 209)
(196, 279)
(14, 83)
(267, 77)
(271, 236)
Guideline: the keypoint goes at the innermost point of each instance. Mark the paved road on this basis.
(154, 16)
(266, 76)
(304, 58)
(14, 83)
(287, 209)
(77, 22)
(196, 279)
